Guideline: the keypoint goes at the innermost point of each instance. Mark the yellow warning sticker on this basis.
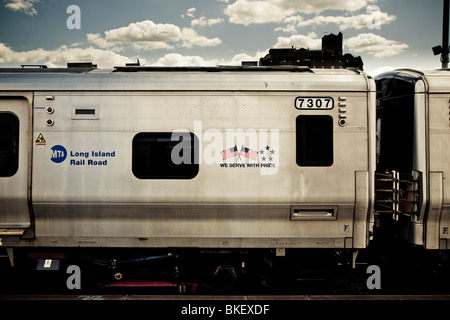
(40, 141)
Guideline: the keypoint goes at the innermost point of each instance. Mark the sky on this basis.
(387, 34)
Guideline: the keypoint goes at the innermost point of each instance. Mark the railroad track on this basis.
(124, 297)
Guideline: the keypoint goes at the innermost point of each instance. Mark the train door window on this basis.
(314, 140)
(162, 155)
(395, 114)
(9, 144)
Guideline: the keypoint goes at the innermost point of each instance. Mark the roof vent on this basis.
(133, 64)
(40, 66)
(84, 65)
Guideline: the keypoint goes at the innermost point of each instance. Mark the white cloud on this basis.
(203, 22)
(191, 38)
(238, 58)
(247, 12)
(190, 12)
(103, 58)
(145, 30)
(97, 39)
(344, 22)
(146, 35)
(59, 57)
(300, 41)
(9, 56)
(177, 60)
(25, 6)
(374, 45)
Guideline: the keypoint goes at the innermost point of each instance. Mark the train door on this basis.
(14, 165)
(401, 153)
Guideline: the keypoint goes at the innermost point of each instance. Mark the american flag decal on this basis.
(229, 153)
(249, 153)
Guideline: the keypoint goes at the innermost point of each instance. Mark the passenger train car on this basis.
(199, 160)
(211, 158)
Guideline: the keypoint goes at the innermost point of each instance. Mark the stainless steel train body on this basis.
(270, 158)
(413, 129)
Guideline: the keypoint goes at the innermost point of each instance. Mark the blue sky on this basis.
(212, 32)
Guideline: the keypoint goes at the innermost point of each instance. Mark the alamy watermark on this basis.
(374, 19)
(229, 148)
(74, 280)
(374, 280)
(74, 20)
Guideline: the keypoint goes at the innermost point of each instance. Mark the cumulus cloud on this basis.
(344, 22)
(145, 30)
(147, 35)
(96, 38)
(300, 41)
(25, 6)
(203, 22)
(60, 56)
(190, 12)
(238, 58)
(247, 12)
(191, 38)
(177, 60)
(374, 45)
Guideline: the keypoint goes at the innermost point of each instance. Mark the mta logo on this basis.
(58, 154)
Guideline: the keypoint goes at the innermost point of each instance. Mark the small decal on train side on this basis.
(40, 141)
(58, 154)
(39, 108)
(314, 103)
(263, 158)
(81, 158)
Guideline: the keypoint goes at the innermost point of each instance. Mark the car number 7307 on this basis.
(303, 103)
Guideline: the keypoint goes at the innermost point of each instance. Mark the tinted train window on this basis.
(158, 155)
(395, 116)
(9, 144)
(314, 140)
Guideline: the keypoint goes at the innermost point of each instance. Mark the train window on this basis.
(164, 155)
(314, 140)
(9, 144)
(395, 116)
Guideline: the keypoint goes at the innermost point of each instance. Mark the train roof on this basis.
(242, 78)
(437, 81)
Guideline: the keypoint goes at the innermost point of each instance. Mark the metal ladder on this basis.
(398, 194)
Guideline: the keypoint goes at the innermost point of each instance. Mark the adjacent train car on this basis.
(413, 127)
(218, 158)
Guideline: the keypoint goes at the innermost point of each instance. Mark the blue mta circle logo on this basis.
(59, 154)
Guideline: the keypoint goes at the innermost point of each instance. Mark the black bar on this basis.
(444, 56)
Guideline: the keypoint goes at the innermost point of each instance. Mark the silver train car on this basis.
(88, 158)
(212, 158)
(413, 155)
